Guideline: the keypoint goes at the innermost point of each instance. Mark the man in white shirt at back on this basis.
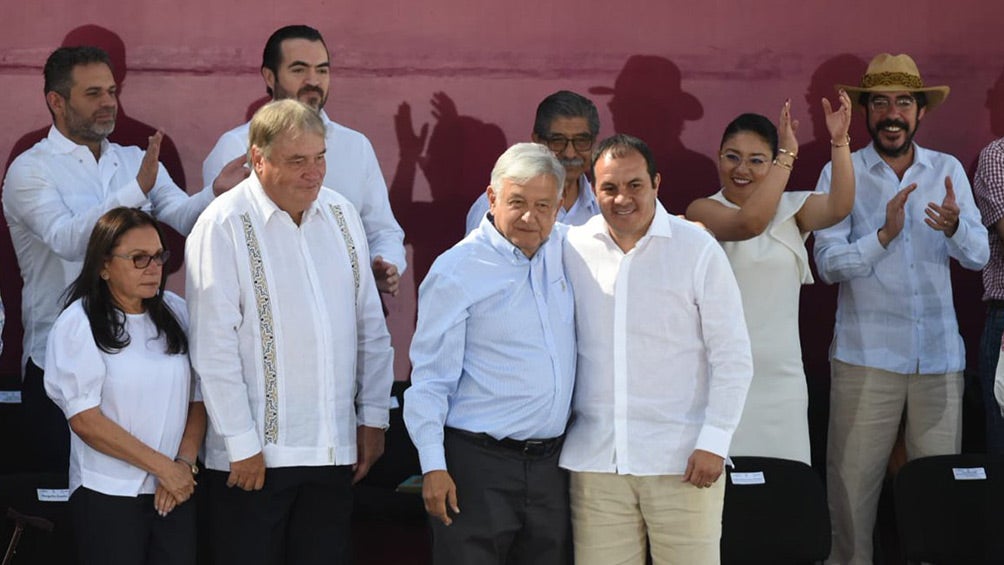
(53, 195)
(664, 364)
(567, 123)
(295, 64)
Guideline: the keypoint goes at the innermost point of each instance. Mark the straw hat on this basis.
(895, 73)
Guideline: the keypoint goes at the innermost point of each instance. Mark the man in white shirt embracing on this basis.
(663, 367)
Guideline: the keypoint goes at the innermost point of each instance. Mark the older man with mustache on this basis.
(567, 123)
(295, 64)
(896, 344)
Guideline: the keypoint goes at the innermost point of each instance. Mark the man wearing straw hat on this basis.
(896, 344)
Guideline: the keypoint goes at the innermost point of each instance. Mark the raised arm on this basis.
(755, 214)
(824, 210)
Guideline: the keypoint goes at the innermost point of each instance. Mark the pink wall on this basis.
(192, 70)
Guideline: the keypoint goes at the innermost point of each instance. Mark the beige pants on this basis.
(613, 514)
(866, 408)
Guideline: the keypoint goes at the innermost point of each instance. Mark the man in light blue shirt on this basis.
(896, 344)
(493, 360)
(568, 124)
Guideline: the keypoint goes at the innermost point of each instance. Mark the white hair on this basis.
(523, 162)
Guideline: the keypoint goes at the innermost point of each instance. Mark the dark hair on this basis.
(755, 124)
(106, 319)
(622, 145)
(920, 97)
(58, 71)
(271, 58)
(565, 104)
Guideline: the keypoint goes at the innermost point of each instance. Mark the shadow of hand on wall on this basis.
(649, 103)
(818, 301)
(457, 160)
(128, 131)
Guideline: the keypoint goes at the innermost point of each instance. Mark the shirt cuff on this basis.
(373, 416)
(714, 440)
(242, 446)
(871, 248)
(432, 458)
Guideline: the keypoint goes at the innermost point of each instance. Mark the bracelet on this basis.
(191, 466)
(847, 141)
(786, 152)
(783, 165)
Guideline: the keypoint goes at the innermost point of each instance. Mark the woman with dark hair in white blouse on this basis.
(117, 365)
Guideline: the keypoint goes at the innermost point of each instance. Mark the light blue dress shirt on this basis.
(895, 309)
(494, 348)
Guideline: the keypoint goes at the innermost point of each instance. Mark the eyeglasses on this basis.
(882, 103)
(756, 162)
(580, 143)
(142, 260)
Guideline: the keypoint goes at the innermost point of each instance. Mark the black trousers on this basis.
(46, 433)
(513, 507)
(302, 515)
(126, 530)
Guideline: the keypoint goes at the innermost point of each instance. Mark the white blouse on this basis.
(141, 388)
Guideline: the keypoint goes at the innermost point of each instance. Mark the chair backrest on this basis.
(775, 512)
(38, 545)
(949, 509)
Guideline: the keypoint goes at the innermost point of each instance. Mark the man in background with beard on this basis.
(896, 344)
(295, 64)
(53, 195)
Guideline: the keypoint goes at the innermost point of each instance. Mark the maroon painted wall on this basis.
(193, 71)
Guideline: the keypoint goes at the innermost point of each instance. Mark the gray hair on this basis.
(525, 161)
(283, 116)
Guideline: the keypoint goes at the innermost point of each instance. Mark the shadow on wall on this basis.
(457, 162)
(818, 301)
(649, 103)
(128, 131)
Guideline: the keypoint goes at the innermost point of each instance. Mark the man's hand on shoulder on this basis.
(233, 173)
(248, 474)
(440, 495)
(703, 468)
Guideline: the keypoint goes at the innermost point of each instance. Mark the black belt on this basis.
(530, 447)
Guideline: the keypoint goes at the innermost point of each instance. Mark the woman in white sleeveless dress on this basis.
(763, 230)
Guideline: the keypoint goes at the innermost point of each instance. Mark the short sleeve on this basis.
(74, 366)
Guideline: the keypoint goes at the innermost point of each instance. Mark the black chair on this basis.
(775, 512)
(946, 513)
(41, 522)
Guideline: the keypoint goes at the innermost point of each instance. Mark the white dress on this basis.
(770, 270)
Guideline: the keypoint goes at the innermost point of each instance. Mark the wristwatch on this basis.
(191, 466)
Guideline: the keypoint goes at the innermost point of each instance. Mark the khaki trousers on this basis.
(866, 408)
(612, 515)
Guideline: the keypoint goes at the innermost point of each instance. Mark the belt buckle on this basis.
(533, 447)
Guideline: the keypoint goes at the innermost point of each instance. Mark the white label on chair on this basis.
(969, 474)
(53, 494)
(748, 478)
(10, 397)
